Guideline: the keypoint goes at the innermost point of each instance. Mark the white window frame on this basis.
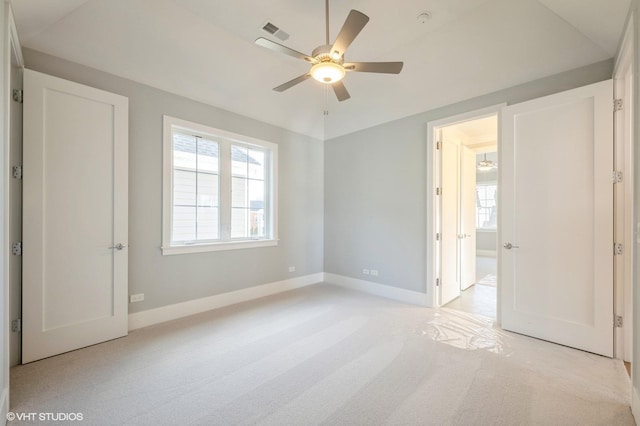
(486, 183)
(225, 140)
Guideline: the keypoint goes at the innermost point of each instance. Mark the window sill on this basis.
(486, 229)
(227, 245)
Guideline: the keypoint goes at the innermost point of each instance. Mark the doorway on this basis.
(465, 207)
(480, 297)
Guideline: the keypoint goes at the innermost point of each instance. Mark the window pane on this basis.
(256, 194)
(184, 224)
(184, 151)
(486, 206)
(239, 223)
(208, 223)
(238, 192)
(256, 164)
(208, 154)
(257, 223)
(239, 157)
(184, 188)
(207, 190)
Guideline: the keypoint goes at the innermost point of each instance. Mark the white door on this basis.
(449, 220)
(75, 212)
(557, 218)
(467, 218)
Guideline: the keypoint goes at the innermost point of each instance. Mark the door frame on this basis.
(623, 88)
(10, 49)
(433, 180)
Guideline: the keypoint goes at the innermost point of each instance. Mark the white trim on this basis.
(487, 253)
(432, 182)
(623, 161)
(10, 46)
(635, 404)
(14, 40)
(394, 293)
(191, 307)
(4, 403)
(226, 245)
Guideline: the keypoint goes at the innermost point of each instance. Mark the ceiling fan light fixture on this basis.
(327, 72)
(486, 165)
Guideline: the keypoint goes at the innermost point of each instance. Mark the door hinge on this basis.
(438, 192)
(618, 177)
(18, 95)
(618, 104)
(437, 282)
(17, 172)
(438, 236)
(617, 321)
(618, 248)
(437, 145)
(16, 325)
(16, 248)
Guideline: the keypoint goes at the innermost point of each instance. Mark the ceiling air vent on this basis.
(274, 30)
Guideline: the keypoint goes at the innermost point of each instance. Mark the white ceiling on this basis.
(204, 50)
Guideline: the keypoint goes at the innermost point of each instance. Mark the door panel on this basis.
(557, 210)
(449, 214)
(75, 210)
(468, 218)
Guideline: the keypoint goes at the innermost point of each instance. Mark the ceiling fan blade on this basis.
(292, 83)
(283, 49)
(352, 26)
(382, 67)
(341, 92)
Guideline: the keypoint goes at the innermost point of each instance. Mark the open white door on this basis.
(557, 218)
(467, 218)
(449, 220)
(75, 213)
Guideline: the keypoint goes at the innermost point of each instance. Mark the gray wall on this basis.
(375, 186)
(167, 280)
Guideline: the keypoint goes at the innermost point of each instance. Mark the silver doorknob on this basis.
(509, 246)
(118, 246)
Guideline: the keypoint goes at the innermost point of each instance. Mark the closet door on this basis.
(75, 216)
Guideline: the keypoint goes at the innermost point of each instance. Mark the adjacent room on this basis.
(297, 212)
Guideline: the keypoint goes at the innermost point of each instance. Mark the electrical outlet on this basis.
(374, 272)
(292, 268)
(136, 298)
(365, 271)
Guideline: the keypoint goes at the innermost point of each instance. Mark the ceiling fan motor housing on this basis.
(323, 54)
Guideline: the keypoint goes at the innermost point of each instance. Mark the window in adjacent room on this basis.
(219, 189)
(486, 206)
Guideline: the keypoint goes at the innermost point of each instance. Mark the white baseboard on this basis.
(635, 404)
(487, 253)
(4, 404)
(399, 294)
(179, 310)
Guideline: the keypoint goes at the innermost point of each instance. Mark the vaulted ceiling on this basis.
(204, 50)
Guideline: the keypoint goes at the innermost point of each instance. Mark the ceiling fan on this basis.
(327, 61)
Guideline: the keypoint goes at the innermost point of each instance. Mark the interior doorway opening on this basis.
(466, 208)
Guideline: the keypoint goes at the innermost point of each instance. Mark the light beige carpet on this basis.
(325, 355)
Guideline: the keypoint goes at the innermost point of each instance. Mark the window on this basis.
(486, 206)
(219, 189)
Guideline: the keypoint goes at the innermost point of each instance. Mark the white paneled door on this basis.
(75, 216)
(449, 220)
(467, 218)
(557, 218)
